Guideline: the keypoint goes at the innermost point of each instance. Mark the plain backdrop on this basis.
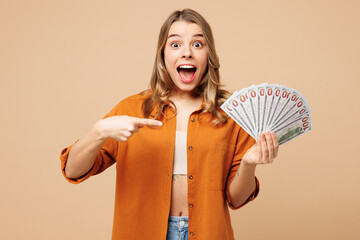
(65, 63)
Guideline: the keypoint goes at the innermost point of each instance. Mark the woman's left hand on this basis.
(264, 151)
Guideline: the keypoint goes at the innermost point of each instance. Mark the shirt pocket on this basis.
(221, 156)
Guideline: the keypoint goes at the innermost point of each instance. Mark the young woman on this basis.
(177, 154)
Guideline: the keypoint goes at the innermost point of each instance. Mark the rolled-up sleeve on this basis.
(244, 142)
(106, 156)
(104, 159)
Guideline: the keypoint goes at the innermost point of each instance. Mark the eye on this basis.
(198, 44)
(175, 45)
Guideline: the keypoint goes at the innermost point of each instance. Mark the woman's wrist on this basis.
(99, 131)
(247, 168)
(248, 165)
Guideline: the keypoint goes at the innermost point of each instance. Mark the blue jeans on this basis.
(177, 228)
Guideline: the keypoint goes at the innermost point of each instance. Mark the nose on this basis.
(187, 52)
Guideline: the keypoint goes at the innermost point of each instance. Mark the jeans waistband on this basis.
(178, 218)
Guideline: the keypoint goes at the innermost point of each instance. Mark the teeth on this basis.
(186, 66)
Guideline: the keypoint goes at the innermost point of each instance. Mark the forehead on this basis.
(184, 28)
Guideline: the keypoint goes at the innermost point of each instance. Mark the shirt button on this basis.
(192, 119)
(191, 177)
(190, 205)
(190, 148)
(191, 233)
(182, 223)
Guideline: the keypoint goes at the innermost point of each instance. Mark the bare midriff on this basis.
(179, 203)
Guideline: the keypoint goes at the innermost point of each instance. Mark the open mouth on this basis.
(186, 72)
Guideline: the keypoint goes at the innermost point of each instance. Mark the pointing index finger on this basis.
(141, 122)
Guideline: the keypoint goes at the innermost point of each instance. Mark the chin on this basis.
(185, 87)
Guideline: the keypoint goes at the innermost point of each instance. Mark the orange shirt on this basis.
(144, 167)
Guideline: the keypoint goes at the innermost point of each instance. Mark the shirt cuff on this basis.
(252, 196)
(64, 157)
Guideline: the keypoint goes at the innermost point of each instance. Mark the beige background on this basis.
(65, 64)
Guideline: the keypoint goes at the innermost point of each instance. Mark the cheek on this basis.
(167, 64)
(204, 60)
(204, 63)
(170, 68)
(169, 60)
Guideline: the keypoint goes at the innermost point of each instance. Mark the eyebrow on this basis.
(177, 35)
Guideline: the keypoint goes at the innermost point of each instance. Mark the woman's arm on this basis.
(83, 153)
(262, 152)
(243, 185)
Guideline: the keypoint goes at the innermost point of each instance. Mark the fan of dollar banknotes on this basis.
(270, 107)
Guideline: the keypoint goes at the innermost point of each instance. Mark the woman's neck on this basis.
(182, 96)
(185, 103)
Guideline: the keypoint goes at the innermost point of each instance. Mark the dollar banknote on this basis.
(270, 107)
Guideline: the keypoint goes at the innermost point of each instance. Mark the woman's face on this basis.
(185, 55)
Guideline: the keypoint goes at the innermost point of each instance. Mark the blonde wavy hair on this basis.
(209, 87)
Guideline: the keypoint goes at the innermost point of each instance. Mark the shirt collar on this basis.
(202, 106)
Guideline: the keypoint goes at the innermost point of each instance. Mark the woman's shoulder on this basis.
(136, 99)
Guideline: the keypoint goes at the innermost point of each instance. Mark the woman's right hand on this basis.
(121, 128)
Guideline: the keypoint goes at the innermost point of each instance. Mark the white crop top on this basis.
(180, 153)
